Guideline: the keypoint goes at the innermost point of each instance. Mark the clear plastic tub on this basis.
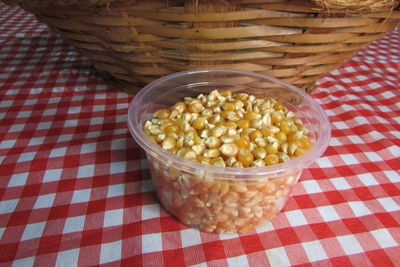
(224, 199)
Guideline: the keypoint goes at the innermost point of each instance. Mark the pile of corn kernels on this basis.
(229, 130)
(226, 130)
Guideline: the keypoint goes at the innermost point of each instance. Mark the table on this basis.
(75, 187)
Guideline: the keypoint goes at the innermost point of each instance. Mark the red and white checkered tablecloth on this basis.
(75, 187)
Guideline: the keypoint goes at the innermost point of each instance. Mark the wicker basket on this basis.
(134, 42)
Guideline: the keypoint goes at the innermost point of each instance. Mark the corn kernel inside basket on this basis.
(229, 130)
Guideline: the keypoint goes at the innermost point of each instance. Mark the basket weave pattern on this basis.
(134, 43)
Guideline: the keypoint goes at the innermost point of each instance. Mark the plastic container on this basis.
(224, 199)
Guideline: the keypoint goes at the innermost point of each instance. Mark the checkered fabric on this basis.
(75, 187)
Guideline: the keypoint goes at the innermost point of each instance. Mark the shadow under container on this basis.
(224, 199)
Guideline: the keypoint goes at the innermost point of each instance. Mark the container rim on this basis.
(252, 173)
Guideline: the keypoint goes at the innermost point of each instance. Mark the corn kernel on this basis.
(195, 107)
(212, 142)
(277, 116)
(243, 124)
(211, 153)
(259, 153)
(281, 136)
(271, 159)
(229, 149)
(218, 161)
(229, 106)
(168, 143)
(226, 93)
(251, 115)
(179, 106)
(199, 123)
(245, 157)
(255, 134)
(243, 143)
(278, 106)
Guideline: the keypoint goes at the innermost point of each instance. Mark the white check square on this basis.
(350, 244)
(190, 237)
(85, 171)
(33, 230)
(28, 156)
(150, 211)
(58, 152)
(349, 159)
(389, 204)
(151, 243)
(359, 208)
(239, 261)
(113, 218)
(340, 183)
(328, 213)
(74, 224)
(8, 206)
(384, 238)
(314, 251)
(117, 167)
(367, 179)
(44, 201)
(52, 175)
(80, 196)
(111, 252)
(311, 186)
(18, 179)
(296, 218)
(116, 190)
(68, 257)
(278, 257)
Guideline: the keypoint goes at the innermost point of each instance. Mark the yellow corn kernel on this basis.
(299, 151)
(245, 157)
(260, 141)
(255, 134)
(196, 107)
(168, 143)
(229, 149)
(230, 125)
(211, 153)
(226, 93)
(284, 127)
(228, 106)
(259, 153)
(281, 136)
(271, 159)
(279, 106)
(243, 143)
(199, 123)
(203, 159)
(171, 129)
(179, 106)
(277, 116)
(251, 115)
(217, 131)
(241, 96)
(272, 148)
(266, 131)
(243, 124)
(161, 113)
(293, 137)
(189, 154)
(218, 161)
(305, 142)
(212, 142)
